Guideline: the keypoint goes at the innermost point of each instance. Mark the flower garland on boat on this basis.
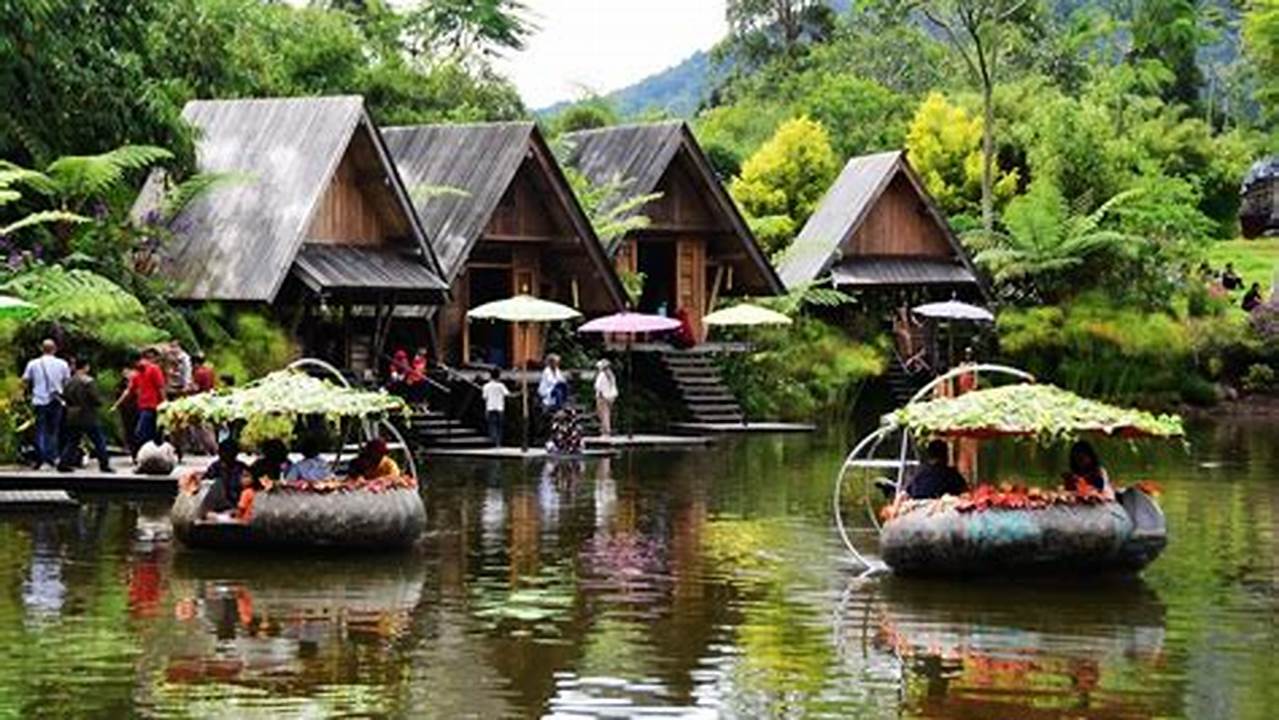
(342, 485)
(1008, 496)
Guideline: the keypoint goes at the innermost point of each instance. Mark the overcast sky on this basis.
(604, 45)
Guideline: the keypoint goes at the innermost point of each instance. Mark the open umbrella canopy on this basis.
(12, 307)
(1029, 410)
(281, 395)
(523, 309)
(746, 314)
(629, 323)
(954, 310)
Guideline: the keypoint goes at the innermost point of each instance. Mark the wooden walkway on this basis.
(23, 500)
(512, 453)
(750, 427)
(91, 480)
(648, 441)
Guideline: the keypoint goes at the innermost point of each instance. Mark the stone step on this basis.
(714, 407)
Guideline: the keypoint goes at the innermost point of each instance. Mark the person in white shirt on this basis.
(45, 378)
(552, 389)
(605, 396)
(495, 395)
(181, 379)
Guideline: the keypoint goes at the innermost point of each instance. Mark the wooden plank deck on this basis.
(750, 427)
(651, 441)
(512, 453)
(18, 500)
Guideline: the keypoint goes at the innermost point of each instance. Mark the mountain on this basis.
(678, 90)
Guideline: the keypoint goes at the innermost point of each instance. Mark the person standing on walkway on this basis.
(495, 394)
(552, 389)
(45, 378)
(605, 396)
(83, 403)
(181, 380)
(146, 389)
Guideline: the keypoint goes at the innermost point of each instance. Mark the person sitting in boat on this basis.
(374, 461)
(1086, 471)
(244, 506)
(228, 476)
(273, 464)
(936, 478)
(311, 468)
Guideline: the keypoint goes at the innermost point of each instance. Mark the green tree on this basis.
(943, 143)
(590, 112)
(980, 32)
(788, 174)
(1172, 32)
(762, 29)
(1261, 43)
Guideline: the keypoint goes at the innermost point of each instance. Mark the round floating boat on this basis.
(1010, 529)
(935, 537)
(358, 518)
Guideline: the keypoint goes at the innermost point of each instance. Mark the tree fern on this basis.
(80, 298)
(84, 176)
(41, 218)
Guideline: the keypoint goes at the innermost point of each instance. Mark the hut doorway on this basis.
(489, 342)
(656, 259)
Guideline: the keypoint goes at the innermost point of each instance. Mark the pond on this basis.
(700, 583)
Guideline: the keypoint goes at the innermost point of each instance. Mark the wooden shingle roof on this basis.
(817, 249)
(457, 175)
(641, 155)
(239, 241)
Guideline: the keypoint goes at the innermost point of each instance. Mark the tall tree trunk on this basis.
(988, 159)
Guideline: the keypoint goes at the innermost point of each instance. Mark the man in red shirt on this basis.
(147, 390)
(203, 376)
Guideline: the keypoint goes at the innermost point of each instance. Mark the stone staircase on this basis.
(902, 383)
(700, 386)
(435, 429)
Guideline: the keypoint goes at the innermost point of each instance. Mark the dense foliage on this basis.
(83, 76)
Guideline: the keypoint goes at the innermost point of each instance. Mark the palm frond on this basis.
(41, 218)
(82, 176)
(196, 186)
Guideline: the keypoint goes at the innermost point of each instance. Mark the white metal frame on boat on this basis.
(862, 454)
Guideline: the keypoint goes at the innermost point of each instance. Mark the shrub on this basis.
(252, 346)
(1260, 378)
(808, 369)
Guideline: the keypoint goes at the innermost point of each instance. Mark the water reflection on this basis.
(677, 583)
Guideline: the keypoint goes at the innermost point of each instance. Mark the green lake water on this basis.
(704, 583)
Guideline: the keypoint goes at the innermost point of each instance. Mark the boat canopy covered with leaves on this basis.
(1044, 412)
(289, 394)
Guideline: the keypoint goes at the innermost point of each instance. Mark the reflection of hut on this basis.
(877, 230)
(503, 221)
(697, 247)
(314, 223)
(1259, 204)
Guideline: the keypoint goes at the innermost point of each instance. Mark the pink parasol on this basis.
(630, 323)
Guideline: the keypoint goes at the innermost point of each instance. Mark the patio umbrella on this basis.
(12, 307)
(954, 310)
(745, 315)
(523, 310)
(949, 311)
(629, 324)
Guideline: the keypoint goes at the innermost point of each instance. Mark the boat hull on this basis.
(358, 519)
(937, 539)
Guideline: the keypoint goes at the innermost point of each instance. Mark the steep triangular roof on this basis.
(458, 175)
(845, 207)
(641, 155)
(240, 241)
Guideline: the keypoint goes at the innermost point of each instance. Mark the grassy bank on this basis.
(1254, 260)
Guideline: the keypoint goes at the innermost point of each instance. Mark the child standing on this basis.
(495, 395)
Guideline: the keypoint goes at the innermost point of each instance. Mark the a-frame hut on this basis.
(314, 222)
(877, 230)
(503, 221)
(697, 247)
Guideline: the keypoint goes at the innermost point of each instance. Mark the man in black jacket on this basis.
(936, 477)
(83, 403)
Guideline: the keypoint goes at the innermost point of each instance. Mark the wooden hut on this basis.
(314, 223)
(697, 247)
(504, 221)
(877, 230)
